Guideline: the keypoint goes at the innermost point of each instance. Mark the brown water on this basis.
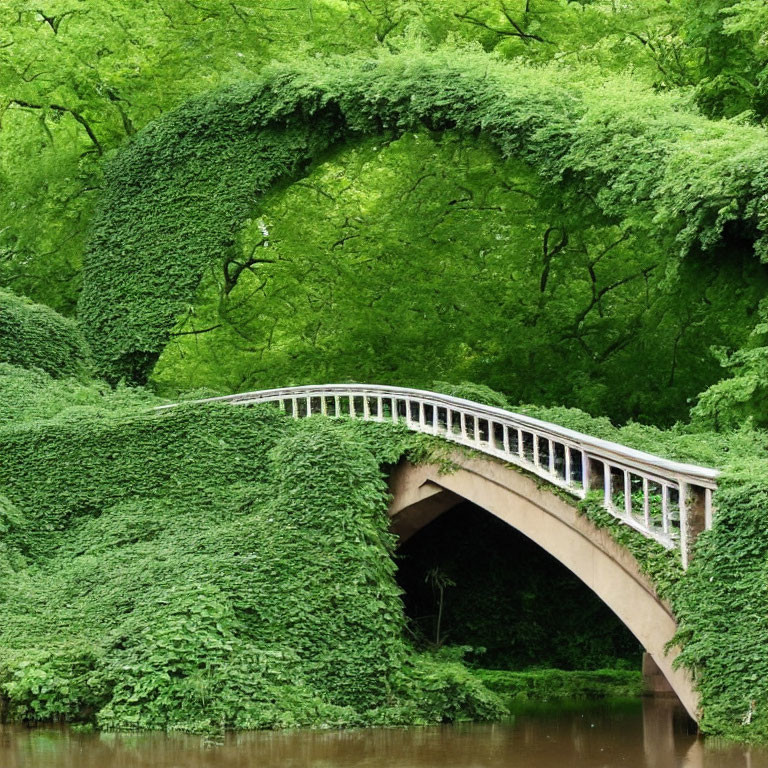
(646, 734)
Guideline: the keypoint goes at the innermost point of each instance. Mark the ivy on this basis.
(209, 567)
(178, 194)
(722, 609)
(206, 567)
(34, 336)
(720, 603)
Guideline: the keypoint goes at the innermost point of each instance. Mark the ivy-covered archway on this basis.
(176, 196)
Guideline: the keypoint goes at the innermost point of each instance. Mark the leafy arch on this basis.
(176, 196)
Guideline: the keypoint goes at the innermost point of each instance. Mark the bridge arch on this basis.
(421, 493)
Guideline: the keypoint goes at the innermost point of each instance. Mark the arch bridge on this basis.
(667, 501)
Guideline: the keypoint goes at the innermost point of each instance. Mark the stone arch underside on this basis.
(421, 493)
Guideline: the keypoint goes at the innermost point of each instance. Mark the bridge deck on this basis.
(668, 501)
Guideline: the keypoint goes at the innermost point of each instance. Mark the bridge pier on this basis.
(655, 682)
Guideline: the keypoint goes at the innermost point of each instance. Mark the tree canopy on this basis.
(575, 242)
(628, 155)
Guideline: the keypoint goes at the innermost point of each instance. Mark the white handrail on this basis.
(666, 500)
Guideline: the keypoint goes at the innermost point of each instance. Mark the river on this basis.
(638, 734)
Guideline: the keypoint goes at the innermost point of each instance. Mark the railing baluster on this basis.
(646, 504)
(422, 418)
(567, 449)
(351, 406)
(627, 494)
(607, 500)
(295, 407)
(535, 449)
(551, 457)
(309, 406)
(463, 419)
(323, 406)
(336, 406)
(665, 508)
(448, 422)
(683, 500)
(366, 408)
(380, 408)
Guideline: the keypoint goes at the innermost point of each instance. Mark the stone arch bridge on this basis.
(529, 473)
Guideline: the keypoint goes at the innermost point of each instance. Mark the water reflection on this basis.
(648, 734)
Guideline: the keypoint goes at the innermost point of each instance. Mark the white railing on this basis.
(665, 500)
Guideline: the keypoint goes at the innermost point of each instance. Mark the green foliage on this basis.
(509, 282)
(662, 566)
(727, 56)
(740, 399)
(720, 602)
(477, 393)
(551, 684)
(691, 443)
(207, 567)
(448, 692)
(75, 82)
(142, 268)
(57, 684)
(564, 227)
(472, 581)
(34, 336)
(722, 608)
(30, 394)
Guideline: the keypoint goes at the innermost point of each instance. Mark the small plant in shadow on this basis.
(439, 580)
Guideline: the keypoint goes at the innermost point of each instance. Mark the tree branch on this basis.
(55, 21)
(519, 32)
(59, 108)
(194, 333)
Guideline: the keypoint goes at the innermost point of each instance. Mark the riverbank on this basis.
(555, 685)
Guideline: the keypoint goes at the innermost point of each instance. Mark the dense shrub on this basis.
(208, 567)
(34, 336)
